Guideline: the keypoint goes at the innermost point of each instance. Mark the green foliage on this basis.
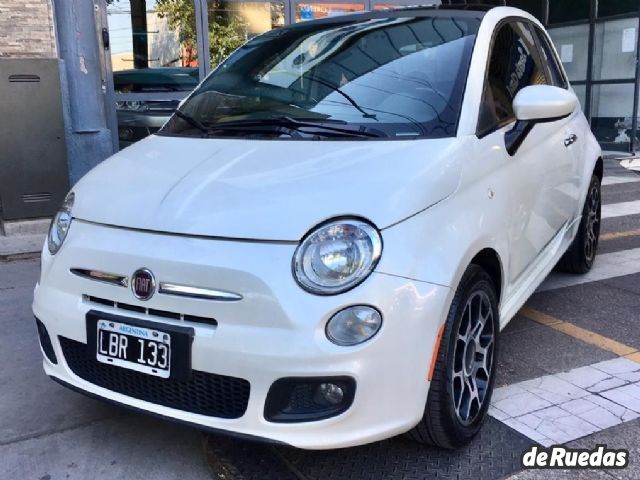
(226, 29)
(225, 38)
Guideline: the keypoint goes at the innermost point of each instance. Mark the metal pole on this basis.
(89, 139)
(203, 37)
(636, 91)
(590, 52)
(102, 27)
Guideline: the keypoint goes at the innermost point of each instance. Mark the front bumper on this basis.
(277, 330)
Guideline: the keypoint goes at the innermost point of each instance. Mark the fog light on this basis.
(299, 399)
(331, 393)
(354, 325)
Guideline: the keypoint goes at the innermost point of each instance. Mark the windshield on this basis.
(373, 76)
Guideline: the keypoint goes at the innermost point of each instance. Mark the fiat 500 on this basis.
(321, 246)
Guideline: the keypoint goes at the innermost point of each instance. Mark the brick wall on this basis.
(26, 29)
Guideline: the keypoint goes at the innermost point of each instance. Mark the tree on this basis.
(227, 30)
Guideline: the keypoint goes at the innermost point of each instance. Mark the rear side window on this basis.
(556, 76)
(514, 63)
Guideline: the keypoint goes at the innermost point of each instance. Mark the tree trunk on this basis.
(139, 31)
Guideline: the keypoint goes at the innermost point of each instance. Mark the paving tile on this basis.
(621, 368)
(529, 432)
(553, 389)
(506, 392)
(521, 403)
(591, 379)
(627, 396)
(599, 411)
(497, 413)
(557, 424)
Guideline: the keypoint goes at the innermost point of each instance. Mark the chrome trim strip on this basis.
(198, 292)
(96, 276)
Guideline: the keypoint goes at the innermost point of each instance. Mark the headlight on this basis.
(132, 105)
(337, 256)
(60, 225)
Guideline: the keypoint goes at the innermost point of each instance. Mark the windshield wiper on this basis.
(338, 90)
(295, 124)
(192, 121)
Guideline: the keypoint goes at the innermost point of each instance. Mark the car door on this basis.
(575, 130)
(536, 176)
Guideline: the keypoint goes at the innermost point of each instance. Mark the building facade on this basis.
(126, 64)
(27, 29)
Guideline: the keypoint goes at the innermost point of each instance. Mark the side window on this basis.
(514, 63)
(555, 72)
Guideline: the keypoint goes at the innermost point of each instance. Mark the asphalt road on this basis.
(569, 372)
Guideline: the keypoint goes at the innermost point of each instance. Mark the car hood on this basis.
(264, 189)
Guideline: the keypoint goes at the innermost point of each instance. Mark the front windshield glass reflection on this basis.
(387, 76)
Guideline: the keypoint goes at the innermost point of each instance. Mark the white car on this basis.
(320, 247)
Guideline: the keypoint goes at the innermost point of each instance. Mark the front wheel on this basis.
(581, 254)
(463, 377)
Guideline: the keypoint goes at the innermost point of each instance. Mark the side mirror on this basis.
(538, 104)
(544, 103)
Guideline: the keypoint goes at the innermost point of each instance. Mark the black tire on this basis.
(581, 254)
(442, 425)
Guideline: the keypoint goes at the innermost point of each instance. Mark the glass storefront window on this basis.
(581, 93)
(611, 114)
(561, 11)
(233, 23)
(153, 50)
(572, 44)
(608, 8)
(614, 54)
(149, 35)
(537, 8)
(387, 4)
(312, 10)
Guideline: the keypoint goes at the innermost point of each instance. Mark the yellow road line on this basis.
(634, 356)
(582, 334)
(616, 235)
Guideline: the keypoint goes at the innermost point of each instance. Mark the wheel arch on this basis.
(598, 169)
(489, 260)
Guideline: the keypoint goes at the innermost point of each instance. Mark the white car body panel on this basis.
(233, 189)
(274, 332)
(229, 214)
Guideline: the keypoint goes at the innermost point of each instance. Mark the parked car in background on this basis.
(321, 245)
(139, 119)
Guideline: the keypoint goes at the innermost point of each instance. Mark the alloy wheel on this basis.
(593, 224)
(473, 357)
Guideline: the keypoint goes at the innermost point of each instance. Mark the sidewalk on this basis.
(22, 239)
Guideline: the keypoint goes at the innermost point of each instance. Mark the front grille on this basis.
(149, 311)
(204, 394)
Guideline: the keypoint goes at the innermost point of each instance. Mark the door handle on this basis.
(570, 140)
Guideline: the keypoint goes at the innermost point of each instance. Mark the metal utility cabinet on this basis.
(34, 176)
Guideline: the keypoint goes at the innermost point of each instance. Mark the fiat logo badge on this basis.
(143, 284)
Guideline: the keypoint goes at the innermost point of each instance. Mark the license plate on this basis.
(137, 348)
